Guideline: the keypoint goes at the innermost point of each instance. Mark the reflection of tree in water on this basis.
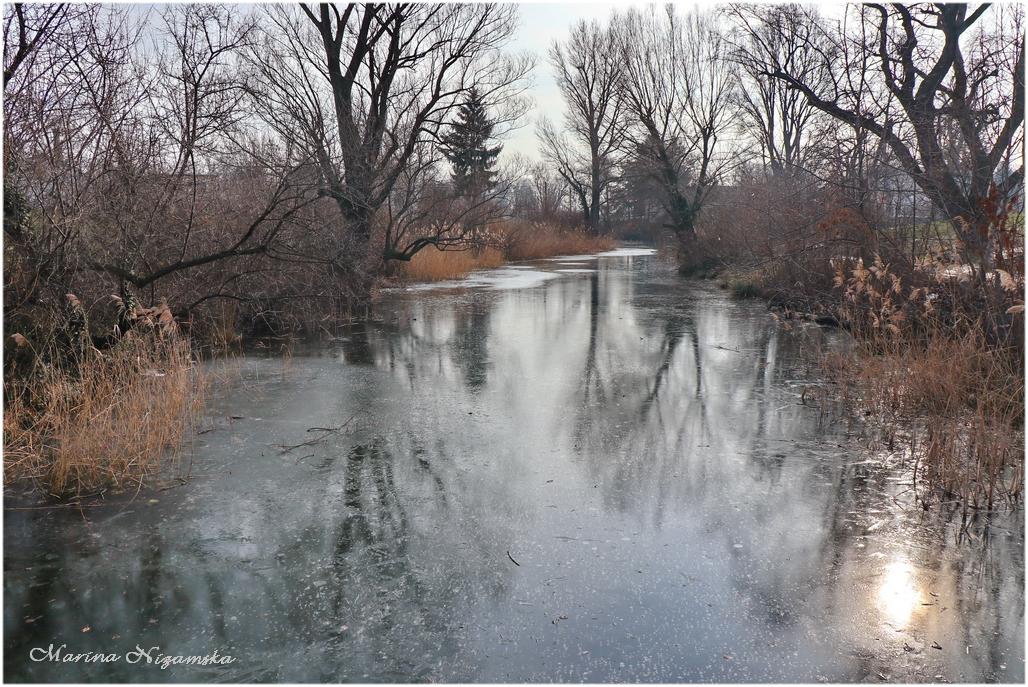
(348, 577)
(672, 410)
(29, 602)
(371, 565)
(397, 598)
(991, 578)
(356, 345)
(81, 598)
(592, 381)
(591, 392)
(676, 327)
(450, 334)
(471, 343)
(374, 513)
(701, 429)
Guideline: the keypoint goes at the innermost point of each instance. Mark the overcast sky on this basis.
(541, 23)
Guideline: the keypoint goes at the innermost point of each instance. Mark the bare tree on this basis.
(678, 87)
(131, 164)
(360, 89)
(942, 93)
(25, 27)
(587, 73)
(170, 163)
(550, 190)
(780, 116)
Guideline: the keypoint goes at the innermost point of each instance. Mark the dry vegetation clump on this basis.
(432, 264)
(956, 405)
(219, 326)
(939, 369)
(533, 240)
(104, 418)
(503, 242)
(741, 282)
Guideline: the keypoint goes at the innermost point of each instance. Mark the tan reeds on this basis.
(534, 241)
(506, 241)
(936, 383)
(432, 264)
(110, 420)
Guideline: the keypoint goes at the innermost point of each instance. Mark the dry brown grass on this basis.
(432, 264)
(507, 241)
(939, 372)
(534, 241)
(956, 406)
(110, 420)
(219, 326)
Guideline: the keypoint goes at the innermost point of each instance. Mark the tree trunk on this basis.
(593, 220)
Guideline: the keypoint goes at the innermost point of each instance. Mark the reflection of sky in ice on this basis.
(507, 277)
(516, 276)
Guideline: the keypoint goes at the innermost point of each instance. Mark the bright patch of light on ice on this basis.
(430, 285)
(576, 270)
(627, 252)
(507, 278)
(572, 258)
(898, 594)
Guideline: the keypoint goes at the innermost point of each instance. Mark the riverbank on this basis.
(938, 365)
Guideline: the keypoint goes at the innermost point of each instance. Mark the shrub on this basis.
(531, 241)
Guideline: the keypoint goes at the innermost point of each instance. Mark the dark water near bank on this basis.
(637, 443)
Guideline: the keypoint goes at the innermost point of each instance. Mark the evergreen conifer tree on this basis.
(467, 146)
